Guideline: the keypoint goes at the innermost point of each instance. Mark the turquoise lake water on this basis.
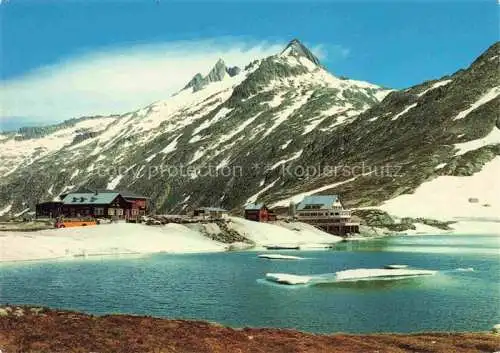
(230, 288)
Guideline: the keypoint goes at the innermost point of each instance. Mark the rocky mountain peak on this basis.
(297, 49)
(218, 71)
(216, 74)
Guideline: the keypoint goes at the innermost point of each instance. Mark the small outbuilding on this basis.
(211, 213)
(259, 212)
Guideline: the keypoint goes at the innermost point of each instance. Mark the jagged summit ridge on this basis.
(216, 74)
(297, 49)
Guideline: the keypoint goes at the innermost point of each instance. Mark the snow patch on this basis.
(5, 210)
(434, 86)
(114, 182)
(239, 129)
(284, 161)
(312, 125)
(195, 138)
(286, 112)
(490, 95)
(447, 197)
(223, 112)
(492, 138)
(171, 146)
(285, 145)
(382, 93)
(275, 102)
(74, 174)
(411, 106)
(104, 239)
(150, 158)
(254, 197)
(270, 234)
(197, 155)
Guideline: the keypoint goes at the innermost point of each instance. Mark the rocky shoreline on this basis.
(43, 330)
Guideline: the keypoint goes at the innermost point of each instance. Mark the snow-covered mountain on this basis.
(279, 128)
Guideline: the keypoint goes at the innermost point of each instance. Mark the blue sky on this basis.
(61, 58)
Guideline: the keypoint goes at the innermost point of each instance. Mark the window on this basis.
(111, 211)
(119, 211)
(98, 211)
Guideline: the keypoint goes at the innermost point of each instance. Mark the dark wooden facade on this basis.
(259, 213)
(117, 208)
(50, 209)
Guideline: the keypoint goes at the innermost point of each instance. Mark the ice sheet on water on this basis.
(467, 269)
(360, 274)
(280, 257)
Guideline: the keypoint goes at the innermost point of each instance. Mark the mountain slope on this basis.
(263, 115)
(443, 127)
(280, 128)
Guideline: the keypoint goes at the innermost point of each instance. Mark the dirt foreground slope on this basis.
(29, 329)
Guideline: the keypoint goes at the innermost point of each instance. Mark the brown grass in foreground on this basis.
(27, 329)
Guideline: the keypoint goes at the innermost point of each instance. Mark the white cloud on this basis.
(332, 51)
(119, 80)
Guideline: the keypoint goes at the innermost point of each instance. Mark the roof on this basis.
(254, 206)
(50, 203)
(125, 193)
(83, 190)
(213, 209)
(89, 198)
(325, 201)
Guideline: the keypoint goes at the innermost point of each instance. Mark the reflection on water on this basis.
(377, 284)
(486, 245)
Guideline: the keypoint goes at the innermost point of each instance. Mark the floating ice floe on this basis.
(280, 257)
(367, 273)
(395, 267)
(285, 278)
(348, 275)
(467, 269)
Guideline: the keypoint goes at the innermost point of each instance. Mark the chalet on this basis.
(259, 212)
(328, 213)
(100, 204)
(210, 213)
